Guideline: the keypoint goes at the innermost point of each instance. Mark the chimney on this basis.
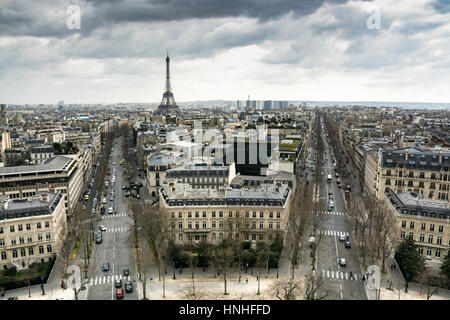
(44, 197)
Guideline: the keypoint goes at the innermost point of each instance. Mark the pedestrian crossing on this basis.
(336, 213)
(340, 275)
(332, 233)
(111, 216)
(108, 279)
(120, 229)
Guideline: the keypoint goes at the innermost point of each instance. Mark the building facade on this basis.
(32, 229)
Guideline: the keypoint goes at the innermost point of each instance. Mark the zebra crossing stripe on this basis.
(332, 274)
(356, 278)
(346, 276)
(328, 273)
(342, 275)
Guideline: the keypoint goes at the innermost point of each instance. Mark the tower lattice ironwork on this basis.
(168, 104)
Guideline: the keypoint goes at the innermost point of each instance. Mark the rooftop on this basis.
(20, 208)
(57, 163)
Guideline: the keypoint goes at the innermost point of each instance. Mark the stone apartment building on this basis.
(32, 229)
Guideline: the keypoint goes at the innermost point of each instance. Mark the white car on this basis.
(104, 200)
(102, 228)
(110, 210)
(342, 237)
(342, 262)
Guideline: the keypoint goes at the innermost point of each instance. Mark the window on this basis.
(172, 225)
(441, 228)
(1, 230)
(439, 240)
(429, 252)
(189, 214)
(278, 214)
(430, 238)
(220, 214)
(438, 253)
(197, 225)
(21, 240)
(30, 239)
(28, 226)
(22, 252)
(253, 237)
(180, 225)
(254, 214)
(41, 249)
(49, 248)
(270, 225)
(230, 214)
(261, 225)
(411, 235)
(213, 214)
(421, 250)
(180, 237)
(261, 214)
(13, 241)
(431, 227)
(253, 225)
(278, 225)
(14, 253)
(38, 225)
(213, 237)
(220, 224)
(3, 255)
(196, 214)
(180, 215)
(411, 224)
(189, 225)
(204, 214)
(270, 214)
(2, 242)
(11, 229)
(19, 227)
(39, 237)
(237, 214)
(422, 227)
(204, 225)
(172, 214)
(213, 224)
(422, 238)
(220, 236)
(246, 214)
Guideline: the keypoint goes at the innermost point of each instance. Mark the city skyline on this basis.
(320, 51)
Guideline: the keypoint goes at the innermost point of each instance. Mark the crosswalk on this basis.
(336, 213)
(332, 233)
(120, 229)
(339, 275)
(108, 279)
(111, 216)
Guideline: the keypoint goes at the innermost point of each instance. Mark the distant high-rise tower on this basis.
(3, 115)
(168, 104)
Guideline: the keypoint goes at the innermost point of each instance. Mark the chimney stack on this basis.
(44, 197)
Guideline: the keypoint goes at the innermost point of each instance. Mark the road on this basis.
(115, 247)
(333, 224)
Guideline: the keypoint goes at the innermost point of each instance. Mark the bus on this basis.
(329, 178)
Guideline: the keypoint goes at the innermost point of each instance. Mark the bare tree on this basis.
(223, 256)
(286, 289)
(314, 287)
(429, 284)
(189, 292)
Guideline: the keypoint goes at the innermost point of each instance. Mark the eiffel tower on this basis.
(168, 104)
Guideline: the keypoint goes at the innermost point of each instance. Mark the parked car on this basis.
(102, 210)
(342, 262)
(104, 200)
(102, 228)
(118, 283)
(119, 293)
(105, 266)
(126, 272)
(342, 237)
(348, 244)
(98, 239)
(110, 210)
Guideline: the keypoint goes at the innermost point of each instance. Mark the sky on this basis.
(336, 50)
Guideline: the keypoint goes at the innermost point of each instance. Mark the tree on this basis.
(286, 289)
(429, 284)
(223, 257)
(445, 266)
(410, 261)
(314, 287)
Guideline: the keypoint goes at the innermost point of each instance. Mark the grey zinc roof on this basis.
(52, 164)
(159, 160)
(19, 208)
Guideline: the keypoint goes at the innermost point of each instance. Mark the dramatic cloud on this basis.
(278, 49)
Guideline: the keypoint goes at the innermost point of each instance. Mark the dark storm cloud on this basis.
(48, 18)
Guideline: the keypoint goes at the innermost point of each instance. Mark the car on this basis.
(99, 240)
(102, 228)
(342, 237)
(342, 262)
(339, 185)
(105, 266)
(119, 293)
(330, 208)
(110, 210)
(126, 272)
(337, 175)
(102, 210)
(128, 287)
(104, 200)
(348, 244)
(330, 197)
(330, 192)
(93, 210)
(118, 283)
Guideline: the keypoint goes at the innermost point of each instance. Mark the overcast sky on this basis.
(268, 49)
